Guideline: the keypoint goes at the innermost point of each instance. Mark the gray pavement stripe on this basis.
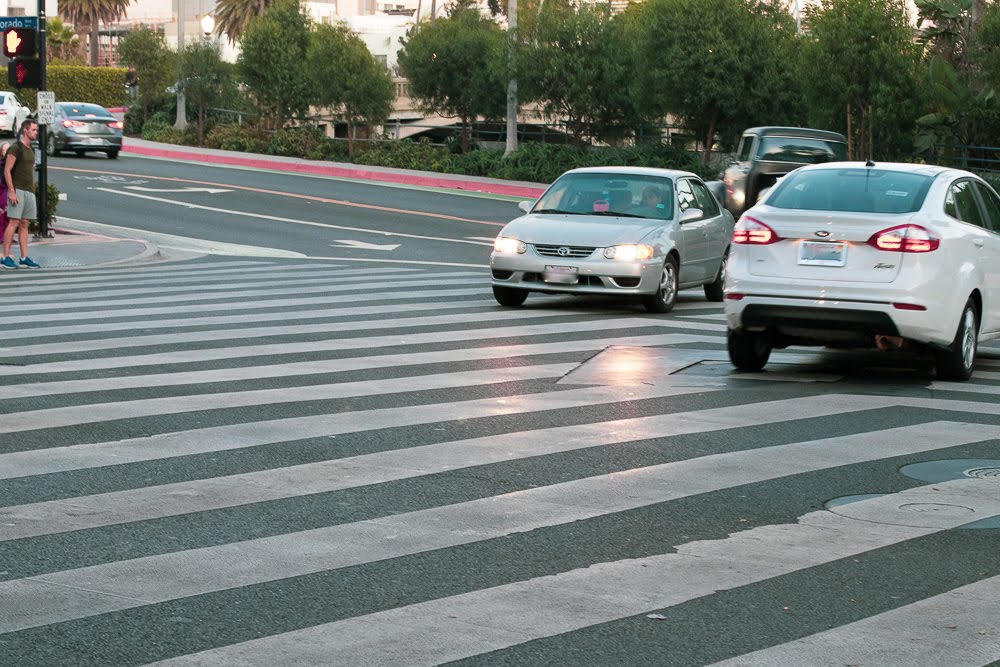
(239, 373)
(472, 624)
(251, 295)
(55, 597)
(253, 434)
(960, 624)
(222, 288)
(344, 473)
(294, 329)
(401, 339)
(92, 413)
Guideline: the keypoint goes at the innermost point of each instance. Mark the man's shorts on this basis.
(24, 208)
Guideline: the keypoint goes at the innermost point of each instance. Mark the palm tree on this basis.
(88, 14)
(61, 40)
(232, 16)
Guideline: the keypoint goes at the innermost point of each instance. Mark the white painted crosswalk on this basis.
(285, 463)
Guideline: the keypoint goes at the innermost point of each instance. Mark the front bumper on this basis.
(594, 275)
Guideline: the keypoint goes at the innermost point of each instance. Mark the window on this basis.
(706, 201)
(745, 150)
(685, 197)
(992, 204)
(856, 189)
(801, 150)
(961, 203)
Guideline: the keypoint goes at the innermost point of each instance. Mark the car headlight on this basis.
(506, 245)
(627, 253)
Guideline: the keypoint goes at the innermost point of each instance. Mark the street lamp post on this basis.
(181, 122)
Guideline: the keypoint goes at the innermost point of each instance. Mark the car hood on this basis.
(581, 230)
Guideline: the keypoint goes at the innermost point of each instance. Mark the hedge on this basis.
(77, 83)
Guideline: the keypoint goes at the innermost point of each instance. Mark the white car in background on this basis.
(12, 112)
(867, 255)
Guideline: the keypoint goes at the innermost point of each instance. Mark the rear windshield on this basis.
(85, 110)
(861, 190)
(801, 150)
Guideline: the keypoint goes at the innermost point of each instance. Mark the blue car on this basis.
(81, 127)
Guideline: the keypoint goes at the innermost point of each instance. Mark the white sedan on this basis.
(12, 112)
(867, 255)
(618, 231)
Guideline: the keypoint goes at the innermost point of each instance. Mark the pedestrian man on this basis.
(19, 175)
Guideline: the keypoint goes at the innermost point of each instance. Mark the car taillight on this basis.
(753, 232)
(905, 238)
(118, 125)
(72, 123)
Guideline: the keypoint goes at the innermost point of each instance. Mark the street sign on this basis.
(46, 107)
(18, 22)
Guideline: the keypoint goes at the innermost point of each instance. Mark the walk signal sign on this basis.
(24, 73)
(19, 42)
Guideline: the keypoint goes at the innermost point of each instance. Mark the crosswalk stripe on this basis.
(401, 534)
(470, 624)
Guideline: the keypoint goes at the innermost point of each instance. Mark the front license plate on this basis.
(564, 275)
(822, 253)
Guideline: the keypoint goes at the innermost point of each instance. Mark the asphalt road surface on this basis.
(257, 460)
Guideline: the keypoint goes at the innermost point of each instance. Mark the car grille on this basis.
(571, 250)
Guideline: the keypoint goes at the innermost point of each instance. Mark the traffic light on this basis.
(19, 42)
(24, 73)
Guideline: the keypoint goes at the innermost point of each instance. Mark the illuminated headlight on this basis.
(628, 253)
(509, 246)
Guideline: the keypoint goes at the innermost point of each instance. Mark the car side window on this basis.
(685, 197)
(992, 203)
(705, 201)
(961, 203)
(746, 149)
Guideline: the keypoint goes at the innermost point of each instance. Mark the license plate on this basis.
(564, 275)
(822, 253)
(91, 141)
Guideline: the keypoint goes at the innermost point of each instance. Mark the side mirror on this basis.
(525, 206)
(691, 214)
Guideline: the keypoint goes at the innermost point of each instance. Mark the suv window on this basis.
(801, 150)
(992, 204)
(745, 150)
(706, 202)
(961, 203)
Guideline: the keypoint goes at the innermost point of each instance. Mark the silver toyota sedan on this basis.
(616, 231)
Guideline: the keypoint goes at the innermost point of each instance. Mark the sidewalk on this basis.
(70, 248)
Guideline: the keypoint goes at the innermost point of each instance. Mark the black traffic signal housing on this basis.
(24, 70)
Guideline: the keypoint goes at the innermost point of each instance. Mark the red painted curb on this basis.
(327, 170)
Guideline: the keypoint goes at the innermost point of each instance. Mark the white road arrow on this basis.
(361, 245)
(213, 191)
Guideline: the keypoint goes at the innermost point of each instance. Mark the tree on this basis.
(579, 68)
(457, 66)
(345, 77)
(273, 50)
(154, 62)
(206, 79)
(61, 41)
(233, 16)
(718, 65)
(862, 75)
(88, 14)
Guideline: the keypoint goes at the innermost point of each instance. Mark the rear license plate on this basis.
(93, 141)
(564, 275)
(822, 253)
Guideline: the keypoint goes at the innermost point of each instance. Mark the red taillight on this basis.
(908, 306)
(753, 232)
(72, 123)
(905, 238)
(734, 296)
(118, 125)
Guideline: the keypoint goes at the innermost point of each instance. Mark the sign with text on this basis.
(46, 107)
(7, 22)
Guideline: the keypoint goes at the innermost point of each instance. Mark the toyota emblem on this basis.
(563, 251)
(822, 233)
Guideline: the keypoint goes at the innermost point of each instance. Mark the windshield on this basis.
(625, 195)
(801, 150)
(861, 190)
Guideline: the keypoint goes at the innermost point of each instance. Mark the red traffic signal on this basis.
(19, 42)
(24, 72)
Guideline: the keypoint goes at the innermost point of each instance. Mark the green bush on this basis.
(295, 141)
(236, 138)
(157, 128)
(405, 154)
(75, 83)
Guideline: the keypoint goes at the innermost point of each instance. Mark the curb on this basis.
(339, 172)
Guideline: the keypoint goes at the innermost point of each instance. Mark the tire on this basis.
(665, 298)
(713, 290)
(112, 155)
(80, 153)
(50, 147)
(509, 296)
(748, 350)
(956, 362)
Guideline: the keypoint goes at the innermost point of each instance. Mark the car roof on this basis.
(795, 132)
(931, 170)
(633, 171)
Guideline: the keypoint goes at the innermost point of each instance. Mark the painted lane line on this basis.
(471, 624)
(959, 624)
(211, 191)
(362, 245)
(719, 564)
